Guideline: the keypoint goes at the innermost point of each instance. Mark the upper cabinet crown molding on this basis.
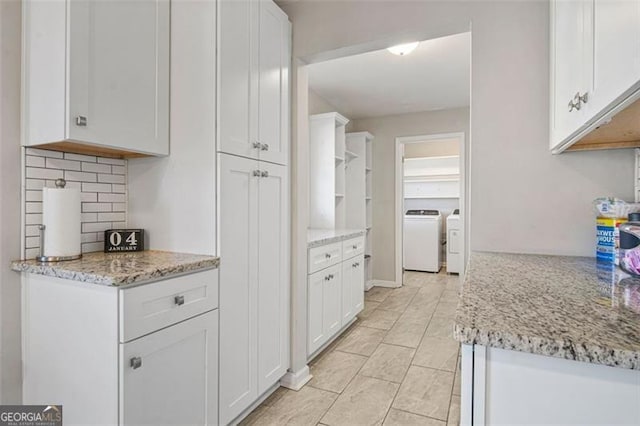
(95, 76)
(254, 60)
(595, 72)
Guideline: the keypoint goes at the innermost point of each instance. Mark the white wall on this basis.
(385, 131)
(318, 104)
(10, 165)
(516, 184)
(173, 198)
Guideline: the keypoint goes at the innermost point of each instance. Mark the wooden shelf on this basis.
(85, 149)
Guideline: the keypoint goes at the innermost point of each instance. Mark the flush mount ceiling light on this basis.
(403, 49)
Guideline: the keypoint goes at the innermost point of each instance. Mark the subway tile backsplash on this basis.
(103, 185)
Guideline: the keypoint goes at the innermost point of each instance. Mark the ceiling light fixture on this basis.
(403, 49)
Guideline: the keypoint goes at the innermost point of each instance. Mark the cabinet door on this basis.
(347, 291)
(176, 380)
(616, 50)
(332, 302)
(273, 275)
(568, 32)
(119, 74)
(238, 246)
(315, 309)
(238, 22)
(357, 284)
(274, 59)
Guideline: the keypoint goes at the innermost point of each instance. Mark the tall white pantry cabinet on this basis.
(254, 55)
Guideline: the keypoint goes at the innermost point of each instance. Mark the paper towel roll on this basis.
(61, 218)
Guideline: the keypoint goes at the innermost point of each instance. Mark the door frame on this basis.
(399, 197)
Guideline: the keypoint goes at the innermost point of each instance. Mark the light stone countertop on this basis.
(565, 307)
(119, 269)
(320, 237)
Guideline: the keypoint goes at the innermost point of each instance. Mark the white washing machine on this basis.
(454, 243)
(422, 231)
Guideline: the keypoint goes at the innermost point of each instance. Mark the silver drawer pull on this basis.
(330, 276)
(136, 362)
(355, 247)
(257, 145)
(327, 278)
(256, 173)
(264, 174)
(179, 300)
(265, 147)
(327, 255)
(81, 120)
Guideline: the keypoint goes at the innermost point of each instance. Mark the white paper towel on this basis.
(61, 218)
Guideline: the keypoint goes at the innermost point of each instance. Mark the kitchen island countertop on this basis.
(120, 269)
(565, 307)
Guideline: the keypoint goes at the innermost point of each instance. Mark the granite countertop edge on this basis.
(144, 274)
(564, 349)
(311, 243)
(565, 286)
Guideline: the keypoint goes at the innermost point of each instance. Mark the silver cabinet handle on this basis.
(578, 100)
(264, 174)
(330, 276)
(81, 120)
(327, 255)
(353, 265)
(327, 278)
(264, 147)
(256, 173)
(136, 362)
(257, 145)
(355, 247)
(179, 300)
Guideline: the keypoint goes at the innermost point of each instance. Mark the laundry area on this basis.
(432, 237)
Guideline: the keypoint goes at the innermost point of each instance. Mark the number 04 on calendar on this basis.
(122, 240)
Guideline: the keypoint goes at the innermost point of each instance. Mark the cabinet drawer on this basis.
(352, 247)
(150, 307)
(324, 256)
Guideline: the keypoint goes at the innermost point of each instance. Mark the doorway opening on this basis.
(430, 188)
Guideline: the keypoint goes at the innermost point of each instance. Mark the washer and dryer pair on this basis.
(422, 245)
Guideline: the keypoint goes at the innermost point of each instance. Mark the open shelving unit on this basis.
(432, 177)
(327, 183)
(340, 181)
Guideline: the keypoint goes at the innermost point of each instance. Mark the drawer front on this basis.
(147, 308)
(324, 256)
(352, 247)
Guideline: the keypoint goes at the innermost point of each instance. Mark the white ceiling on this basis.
(434, 76)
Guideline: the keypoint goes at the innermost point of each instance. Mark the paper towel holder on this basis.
(60, 183)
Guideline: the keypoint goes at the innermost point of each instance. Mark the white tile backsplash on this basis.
(103, 185)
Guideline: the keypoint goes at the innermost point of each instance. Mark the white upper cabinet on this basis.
(595, 65)
(96, 75)
(253, 88)
(616, 50)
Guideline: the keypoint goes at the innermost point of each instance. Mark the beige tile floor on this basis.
(397, 365)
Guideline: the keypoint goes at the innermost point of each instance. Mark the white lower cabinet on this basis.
(76, 352)
(335, 293)
(170, 376)
(253, 214)
(507, 387)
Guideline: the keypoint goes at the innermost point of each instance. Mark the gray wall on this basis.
(522, 198)
(386, 130)
(10, 364)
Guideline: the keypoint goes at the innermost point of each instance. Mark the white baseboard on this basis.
(296, 380)
(382, 283)
(369, 285)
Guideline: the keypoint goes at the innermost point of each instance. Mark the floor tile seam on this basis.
(417, 414)
(348, 384)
